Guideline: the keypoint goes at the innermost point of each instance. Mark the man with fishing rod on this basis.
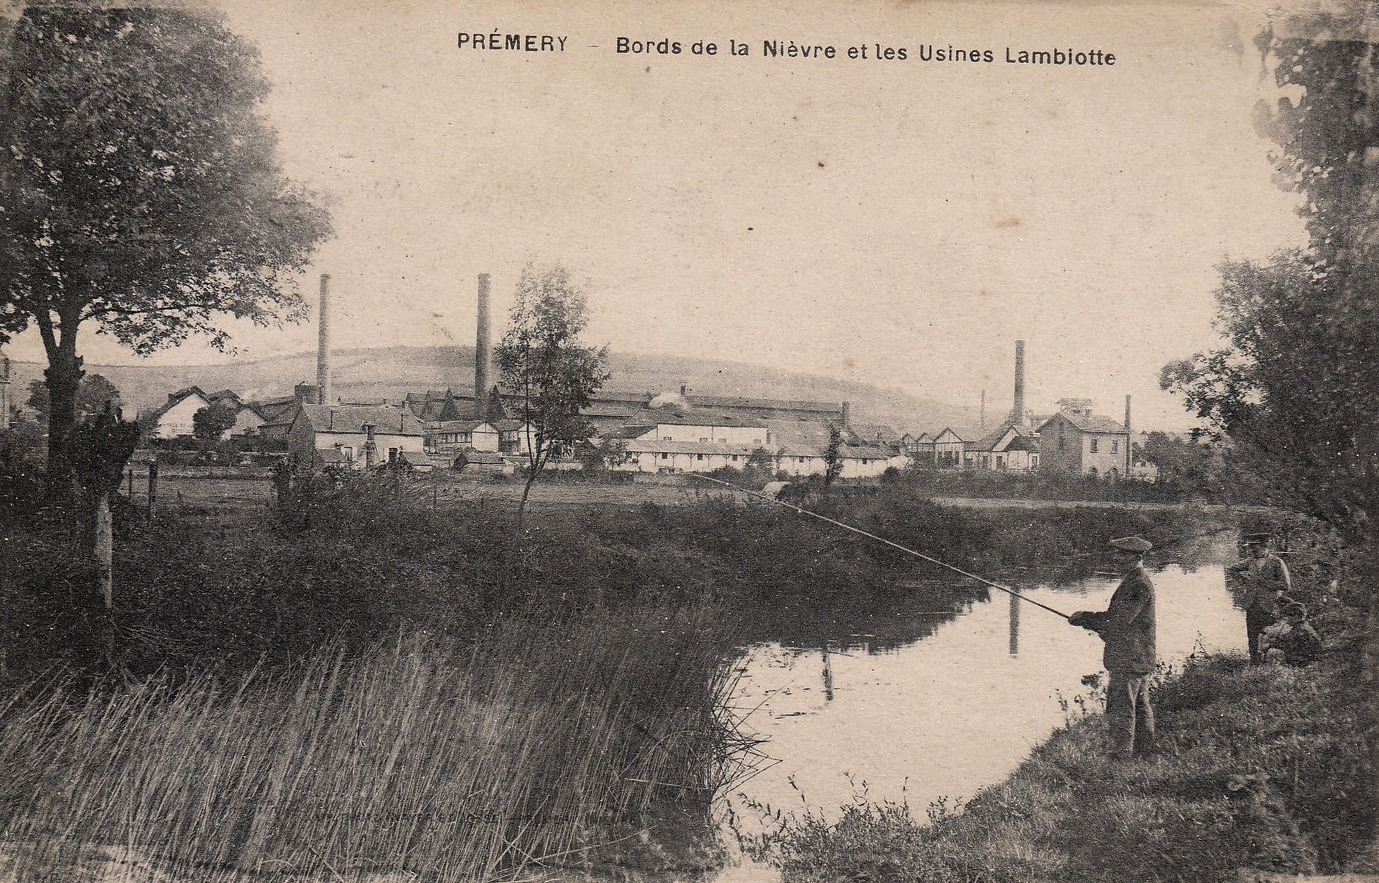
(1128, 628)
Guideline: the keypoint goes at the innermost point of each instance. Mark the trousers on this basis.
(1129, 714)
(1256, 621)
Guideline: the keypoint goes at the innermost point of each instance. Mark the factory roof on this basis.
(352, 418)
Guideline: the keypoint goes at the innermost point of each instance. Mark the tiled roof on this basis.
(178, 397)
(863, 453)
(1092, 423)
(460, 425)
(704, 401)
(698, 418)
(351, 418)
(989, 441)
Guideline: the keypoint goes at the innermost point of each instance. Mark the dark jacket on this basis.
(1127, 625)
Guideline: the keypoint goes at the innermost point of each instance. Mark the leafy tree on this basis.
(140, 190)
(833, 455)
(92, 394)
(1296, 385)
(1185, 465)
(761, 460)
(210, 423)
(543, 363)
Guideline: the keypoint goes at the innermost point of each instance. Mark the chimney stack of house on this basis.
(1017, 413)
(482, 354)
(323, 387)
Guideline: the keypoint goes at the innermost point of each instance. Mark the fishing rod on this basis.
(893, 545)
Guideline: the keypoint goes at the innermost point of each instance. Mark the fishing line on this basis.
(893, 545)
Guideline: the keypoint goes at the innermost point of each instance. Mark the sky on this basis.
(900, 222)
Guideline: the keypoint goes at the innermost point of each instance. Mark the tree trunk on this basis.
(104, 548)
(63, 377)
(526, 492)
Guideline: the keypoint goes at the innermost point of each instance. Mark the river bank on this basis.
(218, 619)
(1260, 769)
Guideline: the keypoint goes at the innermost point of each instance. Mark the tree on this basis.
(1186, 465)
(833, 456)
(1296, 385)
(140, 191)
(93, 392)
(543, 364)
(210, 423)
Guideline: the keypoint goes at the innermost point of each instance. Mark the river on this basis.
(954, 710)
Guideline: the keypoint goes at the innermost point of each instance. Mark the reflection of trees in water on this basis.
(873, 624)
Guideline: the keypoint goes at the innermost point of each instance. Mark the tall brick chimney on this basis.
(1129, 440)
(1017, 413)
(482, 355)
(4, 391)
(323, 387)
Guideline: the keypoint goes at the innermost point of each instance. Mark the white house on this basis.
(174, 418)
(1009, 448)
(723, 433)
(356, 436)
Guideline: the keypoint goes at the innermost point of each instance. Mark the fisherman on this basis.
(1266, 582)
(1127, 627)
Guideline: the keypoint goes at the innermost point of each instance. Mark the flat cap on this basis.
(1132, 544)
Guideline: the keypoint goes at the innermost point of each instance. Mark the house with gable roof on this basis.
(174, 418)
(1009, 448)
(354, 436)
(1079, 442)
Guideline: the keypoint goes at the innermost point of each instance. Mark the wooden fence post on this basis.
(152, 485)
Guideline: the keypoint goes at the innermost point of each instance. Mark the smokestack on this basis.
(481, 350)
(1129, 440)
(847, 413)
(4, 391)
(1017, 413)
(323, 389)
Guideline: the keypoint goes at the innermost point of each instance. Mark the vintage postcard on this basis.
(700, 441)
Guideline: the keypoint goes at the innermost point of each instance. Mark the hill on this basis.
(389, 373)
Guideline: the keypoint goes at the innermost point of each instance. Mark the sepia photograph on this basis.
(697, 442)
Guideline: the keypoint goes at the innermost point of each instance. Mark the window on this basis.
(347, 452)
(734, 458)
(665, 456)
(1115, 445)
(756, 441)
(666, 438)
(698, 456)
(703, 439)
(392, 455)
(1094, 441)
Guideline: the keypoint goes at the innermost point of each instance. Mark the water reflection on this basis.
(936, 702)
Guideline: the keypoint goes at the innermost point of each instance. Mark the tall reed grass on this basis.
(547, 744)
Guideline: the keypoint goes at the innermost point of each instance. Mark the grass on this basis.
(546, 745)
(1259, 767)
